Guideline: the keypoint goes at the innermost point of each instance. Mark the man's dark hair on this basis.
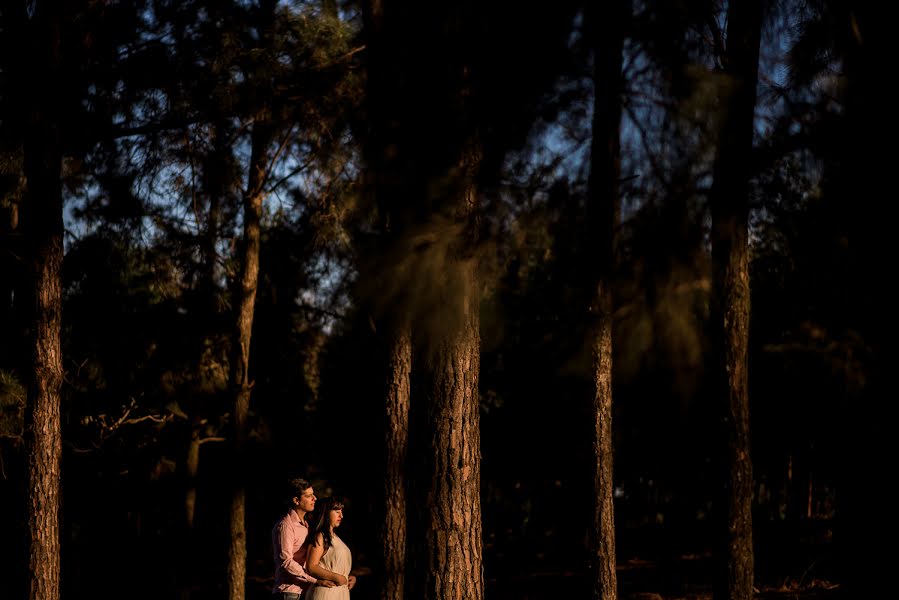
(294, 488)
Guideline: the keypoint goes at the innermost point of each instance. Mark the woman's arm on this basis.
(313, 562)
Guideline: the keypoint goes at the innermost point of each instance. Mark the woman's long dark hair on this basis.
(321, 522)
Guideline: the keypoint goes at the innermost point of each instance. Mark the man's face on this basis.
(306, 501)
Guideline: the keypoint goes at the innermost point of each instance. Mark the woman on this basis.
(328, 557)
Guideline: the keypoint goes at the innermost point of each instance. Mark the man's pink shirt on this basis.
(288, 537)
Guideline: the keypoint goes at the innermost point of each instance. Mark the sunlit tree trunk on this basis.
(425, 134)
(261, 143)
(729, 203)
(389, 192)
(607, 32)
(399, 367)
(453, 527)
(44, 229)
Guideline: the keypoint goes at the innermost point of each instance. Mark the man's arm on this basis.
(286, 541)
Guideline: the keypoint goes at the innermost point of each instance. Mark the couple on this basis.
(314, 563)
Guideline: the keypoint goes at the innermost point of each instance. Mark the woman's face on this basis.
(335, 516)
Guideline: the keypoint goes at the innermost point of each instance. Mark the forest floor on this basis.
(684, 579)
(655, 563)
(792, 562)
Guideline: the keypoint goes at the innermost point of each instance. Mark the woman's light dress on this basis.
(337, 558)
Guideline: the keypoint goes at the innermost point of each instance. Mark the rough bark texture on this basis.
(730, 301)
(44, 228)
(246, 303)
(605, 585)
(399, 367)
(453, 533)
(388, 185)
(424, 161)
(607, 30)
(42, 414)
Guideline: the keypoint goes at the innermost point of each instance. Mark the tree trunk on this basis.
(399, 367)
(44, 229)
(246, 301)
(42, 425)
(730, 299)
(388, 185)
(425, 161)
(607, 31)
(453, 530)
(452, 358)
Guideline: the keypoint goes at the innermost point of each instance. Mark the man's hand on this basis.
(342, 578)
(351, 581)
(326, 583)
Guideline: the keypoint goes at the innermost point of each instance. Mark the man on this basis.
(288, 543)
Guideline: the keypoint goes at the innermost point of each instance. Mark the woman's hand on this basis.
(351, 581)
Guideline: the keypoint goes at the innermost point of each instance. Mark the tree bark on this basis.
(730, 298)
(607, 32)
(42, 425)
(399, 367)
(44, 229)
(423, 145)
(453, 530)
(261, 142)
(388, 185)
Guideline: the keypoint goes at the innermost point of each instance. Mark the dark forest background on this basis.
(169, 121)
